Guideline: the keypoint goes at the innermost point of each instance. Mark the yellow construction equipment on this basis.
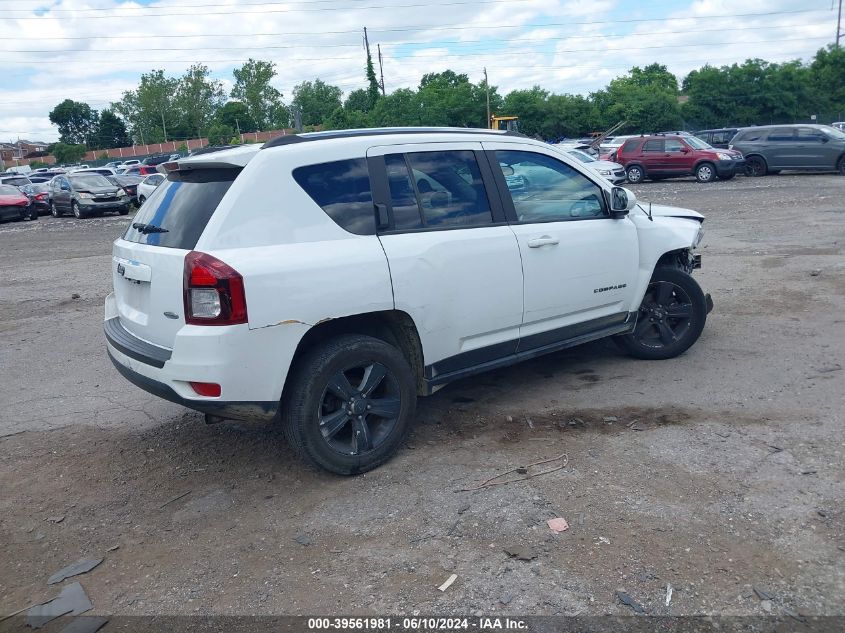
(505, 123)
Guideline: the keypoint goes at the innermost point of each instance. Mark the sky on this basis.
(94, 50)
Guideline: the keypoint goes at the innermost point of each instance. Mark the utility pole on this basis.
(838, 24)
(487, 89)
(366, 42)
(381, 67)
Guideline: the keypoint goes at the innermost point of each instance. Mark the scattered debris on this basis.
(604, 540)
(766, 605)
(506, 598)
(815, 272)
(763, 594)
(520, 552)
(529, 422)
(176, 498)
(81, 566)
(508, 418)
(464, 507)
(56, 519)
(448, 582)
(822, 513)
(113, 548)
(627, 600)
(558, 525)
(75, 295)
(809, 472)
(826, 369)
(303, 539)
(524, 470)
(668, 594)
(72, 599)
(794, 614)
(85, 624)
(610, 419)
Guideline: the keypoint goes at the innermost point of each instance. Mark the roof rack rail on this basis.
(290, 139)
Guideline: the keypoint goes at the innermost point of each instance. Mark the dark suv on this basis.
(666, 156)
(720, 138)
(770, 148)
(86, 194)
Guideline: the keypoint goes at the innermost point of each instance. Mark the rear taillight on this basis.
(214, 292)
(41, 196)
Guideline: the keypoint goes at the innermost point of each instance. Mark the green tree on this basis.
(111, 131)
(236, 116)
(373, 88)
(448, 98)
(220, 134)
(826, 79)
(359, 99)
(402, 107)
(68, 153)
(151, 110)
(77, 122)
(315, 101)
(253, 88)
(198, 98)
(647, 98)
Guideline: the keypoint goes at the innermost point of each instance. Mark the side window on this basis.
(437, 189)
(673, 145)
(630, 145)
(654, 145)
(810, 135)
(342, 189)
(781, 135)
(545, 189)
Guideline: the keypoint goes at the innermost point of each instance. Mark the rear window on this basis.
(17, 181)
(182, 205)
(342, 189)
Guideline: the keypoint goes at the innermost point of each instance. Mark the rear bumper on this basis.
(230, 410)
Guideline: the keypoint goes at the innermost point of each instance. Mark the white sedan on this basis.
(614, 172)
(148, 185)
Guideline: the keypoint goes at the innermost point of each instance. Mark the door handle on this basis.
(545, 240)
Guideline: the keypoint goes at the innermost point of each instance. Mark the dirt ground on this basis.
(719, 473)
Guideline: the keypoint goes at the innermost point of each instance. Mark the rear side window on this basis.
(654, 145)
(781, 135)
(748, 136)
(182, 205)
(630, 145)
(342, 189)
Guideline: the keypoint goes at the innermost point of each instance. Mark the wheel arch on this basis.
(391, 326)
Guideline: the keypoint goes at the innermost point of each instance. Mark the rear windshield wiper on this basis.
(148, 228)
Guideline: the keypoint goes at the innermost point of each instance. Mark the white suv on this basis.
(328, 279)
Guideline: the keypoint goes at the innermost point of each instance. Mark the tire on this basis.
(840, 166)
(141, 200)
(635, 174)
(54, 210)
(33, 213)
(124, 211)
(728, 177)
(321, 393)
(705, 172)
(75, 210)
(755, 166)
(670, 319)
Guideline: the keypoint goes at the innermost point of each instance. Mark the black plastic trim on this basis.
(230, 410)
(485, 359)
(129, 344)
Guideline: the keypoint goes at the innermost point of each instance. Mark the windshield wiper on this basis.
(148, 228)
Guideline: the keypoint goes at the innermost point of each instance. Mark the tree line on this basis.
(164, 108)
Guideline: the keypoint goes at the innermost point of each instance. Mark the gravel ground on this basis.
(719, 472)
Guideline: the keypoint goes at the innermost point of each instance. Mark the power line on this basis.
(432, 27)
(400, 43)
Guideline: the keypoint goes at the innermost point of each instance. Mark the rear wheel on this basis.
(670, 319)
(755, 166)
(123, 211)
(635, 174)
(350, 404)
(840, 167)
(705, 172)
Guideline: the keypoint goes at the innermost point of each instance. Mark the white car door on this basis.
(579, 265)
(454, 261)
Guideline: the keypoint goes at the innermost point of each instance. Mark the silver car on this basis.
(613, 172)
(770, 148)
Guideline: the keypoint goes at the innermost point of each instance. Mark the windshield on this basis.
(17, 181)
(697, 143)
(584, 157)
(834, 132)
(89, 180)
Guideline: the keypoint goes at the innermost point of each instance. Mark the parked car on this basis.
(128, 183)
(15, 204)
(86, 194)
(128, 163)
(44, 175)
(720, 138)
(608, 147)
(39, 196)
(138, 170)
(148, 185)
(839, 125)
(613, 172)
(658, 156)
(156, 159)
(770, 148)
(103, 171)
(369, 289)
(113, 165)
(16, 180)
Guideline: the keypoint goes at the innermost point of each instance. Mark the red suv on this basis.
(661, 156)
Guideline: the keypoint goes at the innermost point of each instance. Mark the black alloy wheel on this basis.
(670, 319)
(755, 166)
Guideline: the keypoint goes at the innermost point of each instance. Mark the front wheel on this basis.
(54, 210)
(670, 319)
(75, 209)
(705, 172)
(635, 174)
(141, 200)
(349, 404)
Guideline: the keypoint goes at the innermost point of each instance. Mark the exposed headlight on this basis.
(86, 196)
(120, 193)
(723, 156)
(605, 172)
(698, 238)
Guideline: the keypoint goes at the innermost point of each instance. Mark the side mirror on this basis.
(621, 202)
(685, 150)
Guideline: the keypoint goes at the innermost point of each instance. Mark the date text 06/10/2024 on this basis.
(366, 624)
